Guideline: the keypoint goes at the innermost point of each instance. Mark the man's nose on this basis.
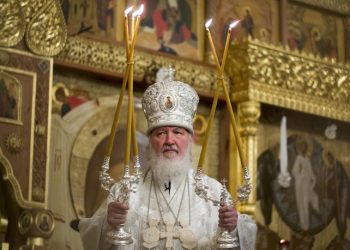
(169, 139)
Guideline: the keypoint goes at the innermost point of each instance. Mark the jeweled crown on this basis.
(170, 103)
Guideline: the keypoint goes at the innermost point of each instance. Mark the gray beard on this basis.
(174, 170)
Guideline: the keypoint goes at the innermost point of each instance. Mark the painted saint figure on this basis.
(168, 103)
(305, 181)
(248, 23)
(171, 23)
(8, 102)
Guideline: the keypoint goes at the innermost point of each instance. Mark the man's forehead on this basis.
(167, 128)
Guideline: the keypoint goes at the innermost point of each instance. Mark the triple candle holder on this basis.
(128, 184)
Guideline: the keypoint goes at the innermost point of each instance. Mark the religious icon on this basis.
(309, 203)
(168, 103)
(305, 181)
(311, 36)
(169, 26)
(25, 221)
(44, 225)
(10, 98)
(248, 23)
(94, 19)
(45, 222)
(67, 99)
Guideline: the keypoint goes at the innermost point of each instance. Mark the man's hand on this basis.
(228, 217)
(116, 213)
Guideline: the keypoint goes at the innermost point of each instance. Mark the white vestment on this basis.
(305, 181)
(146, 204)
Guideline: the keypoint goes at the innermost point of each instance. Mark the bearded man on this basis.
(165, 212)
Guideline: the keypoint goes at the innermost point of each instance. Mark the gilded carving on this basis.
(30, 8)
(40, 130)
(290, 79)
(46, 33)
(13, 143)
(339, 6)
(38, 193)
(46, 30)
(25, 222)
(36, 223)
(199, 124)
(111, 58)
(9, 176)
(12, 24)
(249, 113)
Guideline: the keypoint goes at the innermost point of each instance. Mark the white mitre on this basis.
(170, 103)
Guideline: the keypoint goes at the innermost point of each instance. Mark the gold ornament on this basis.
(199, 124)
(104, 56)
(13, 143)
(30, 8)
(278, 76)
(25, 222)
(38, 194)
(249, 113)
(47, 33)
(12, 24)
(40, 130)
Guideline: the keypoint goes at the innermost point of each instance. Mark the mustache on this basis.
(167, 148)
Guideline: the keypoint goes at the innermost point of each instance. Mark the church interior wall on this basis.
(324, 136)
(84, 93)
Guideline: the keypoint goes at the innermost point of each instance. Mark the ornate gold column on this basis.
(248, 116)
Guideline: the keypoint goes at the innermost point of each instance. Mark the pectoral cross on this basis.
(169, 234)
(167, 187)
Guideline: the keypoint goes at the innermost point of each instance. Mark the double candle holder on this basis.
(225, 239)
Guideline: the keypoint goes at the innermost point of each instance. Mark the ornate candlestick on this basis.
(225, 239)
(121, 236)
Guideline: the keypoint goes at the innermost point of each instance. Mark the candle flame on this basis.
(282, 241)
(208, 23)
(127, 11)
(233, 24)
(139, 11)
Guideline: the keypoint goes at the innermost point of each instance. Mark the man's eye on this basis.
(178, 132)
